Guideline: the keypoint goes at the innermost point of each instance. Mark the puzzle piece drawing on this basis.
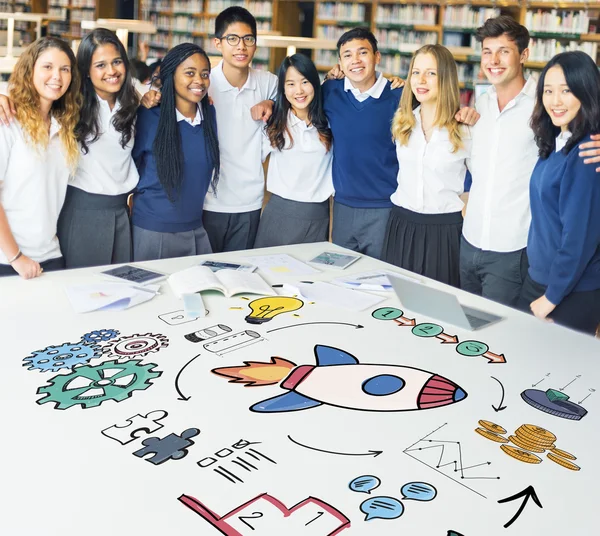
(138, 423)
(171, 447)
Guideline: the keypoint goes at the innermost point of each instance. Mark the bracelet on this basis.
(19, 253)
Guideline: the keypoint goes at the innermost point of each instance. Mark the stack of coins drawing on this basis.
(529, 441)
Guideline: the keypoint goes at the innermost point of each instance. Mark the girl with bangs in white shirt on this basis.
(94, 228)
(425, 225)
(37, 152)
(299, 141)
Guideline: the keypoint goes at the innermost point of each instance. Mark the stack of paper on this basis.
(108, 296)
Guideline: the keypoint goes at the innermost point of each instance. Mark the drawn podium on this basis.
(266, 516)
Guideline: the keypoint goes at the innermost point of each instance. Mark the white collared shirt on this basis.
(33, 185)
(107, 168)
(374, 91)
(562, 139)
(301, 172)
(503, 155)
(241, 180)
(194, 122)
(431, 177)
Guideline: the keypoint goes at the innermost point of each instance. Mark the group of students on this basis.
(394, 159)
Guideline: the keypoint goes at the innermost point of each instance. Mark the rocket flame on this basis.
(255, 373)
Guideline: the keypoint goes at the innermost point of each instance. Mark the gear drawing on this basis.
(125, 348)
(65, 355)
(100, 335)
(90, 386)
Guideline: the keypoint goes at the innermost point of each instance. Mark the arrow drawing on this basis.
(584, 398)
(447, 339)
(536, 384)
(181, 397)
(574, 380)
(500, 406)
(403, 321)
(356, 326)
(526, 493)
(494, 358)
(373, 453)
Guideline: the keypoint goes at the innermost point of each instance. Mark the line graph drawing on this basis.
(447, 449)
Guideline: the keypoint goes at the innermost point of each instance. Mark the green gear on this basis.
(91, 385)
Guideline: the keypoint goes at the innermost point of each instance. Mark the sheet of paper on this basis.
(193, 279)
(282, 264)
(326, 293)
(86, 298)
(376, 280)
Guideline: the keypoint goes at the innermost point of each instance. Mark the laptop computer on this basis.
(441, 305)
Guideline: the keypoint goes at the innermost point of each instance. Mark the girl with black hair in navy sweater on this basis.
(177, 155)
(563, 283)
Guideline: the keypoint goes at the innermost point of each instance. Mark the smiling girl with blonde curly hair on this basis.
(38, 151)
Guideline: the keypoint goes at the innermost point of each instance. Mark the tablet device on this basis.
(333, 259)
(134, 274)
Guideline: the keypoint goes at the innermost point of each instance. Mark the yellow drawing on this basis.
(265, 309)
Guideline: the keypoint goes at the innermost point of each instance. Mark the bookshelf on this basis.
(24, 30)
(72, 12)
(181, 21)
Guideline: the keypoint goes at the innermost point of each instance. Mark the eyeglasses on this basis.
(233, 40)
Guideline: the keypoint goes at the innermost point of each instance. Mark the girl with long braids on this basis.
(177, 155)
(299, 176)
(38, 151)
(94, 228)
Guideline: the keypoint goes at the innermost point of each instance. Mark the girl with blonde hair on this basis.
(425, 225)
(38, 151)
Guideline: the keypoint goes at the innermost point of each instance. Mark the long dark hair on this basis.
(168, 153)
(88, 128)
(277, 123)
(583, 79)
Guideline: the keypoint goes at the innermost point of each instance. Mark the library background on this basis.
(400, 26)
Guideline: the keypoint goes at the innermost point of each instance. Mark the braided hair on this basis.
(167, 149)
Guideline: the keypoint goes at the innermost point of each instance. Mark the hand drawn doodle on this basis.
(171, 447)
(418, 491)
(528, 439)
(526, 493)
(248, 463)
(355, 326)
(181, 395)
(174, 318)
(373, 453)
(387, 313)
(478, 348)
(207, 333)
(426, 450)
(232, 342)
(91, 386)
(555, 403)
(265, 309)
(127, 433)
(500, 406)
(66, 355)
(427, 329)
(265, 515)
(364, 484)
(454, 533)
(340, 380)
(135, 346)
(100, 335)
(382, 508)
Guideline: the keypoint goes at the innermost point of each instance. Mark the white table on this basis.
(71, 471)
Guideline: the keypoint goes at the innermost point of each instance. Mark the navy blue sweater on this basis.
(365, 166)
(564, 237)
(152, 209)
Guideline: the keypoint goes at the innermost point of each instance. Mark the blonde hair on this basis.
(27, 100)
(448, 99)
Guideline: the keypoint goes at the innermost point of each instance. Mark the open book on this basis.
(229, 282)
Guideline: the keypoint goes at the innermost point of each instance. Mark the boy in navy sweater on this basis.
(360, 109)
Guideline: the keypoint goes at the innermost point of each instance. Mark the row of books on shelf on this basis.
(392, 39)
(345, 12)
(187, 6)
(543, 49)
(557, 21)
(183, 24)
(467, 16)
(406, 14)
(83, 4)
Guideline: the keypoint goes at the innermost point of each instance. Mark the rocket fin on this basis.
(327, 356)
(290, 401)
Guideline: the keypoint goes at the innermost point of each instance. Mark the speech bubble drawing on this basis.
(418, 491)
(382, 508)
(364, 484)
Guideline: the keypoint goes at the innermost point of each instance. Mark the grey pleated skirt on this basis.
(152, 245)
(285, 222)
(427, 244)
(94, 229)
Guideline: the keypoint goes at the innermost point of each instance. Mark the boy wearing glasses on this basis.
(238, 92)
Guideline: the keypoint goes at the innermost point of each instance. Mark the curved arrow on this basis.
(181, 397)
(527, 492)
(373, 453)
(356, 326)
(500, 406)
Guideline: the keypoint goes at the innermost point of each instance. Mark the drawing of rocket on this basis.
(338, 379)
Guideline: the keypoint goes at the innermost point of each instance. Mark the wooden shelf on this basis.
(333, 22)
(562, 5)
(401, 26)
(535, 64)
(551, 35)
(480, 3)
(591, 37)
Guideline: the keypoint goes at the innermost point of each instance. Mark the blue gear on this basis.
(66, 355)
(100, 335)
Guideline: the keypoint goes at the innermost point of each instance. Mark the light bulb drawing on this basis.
(265, 309)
